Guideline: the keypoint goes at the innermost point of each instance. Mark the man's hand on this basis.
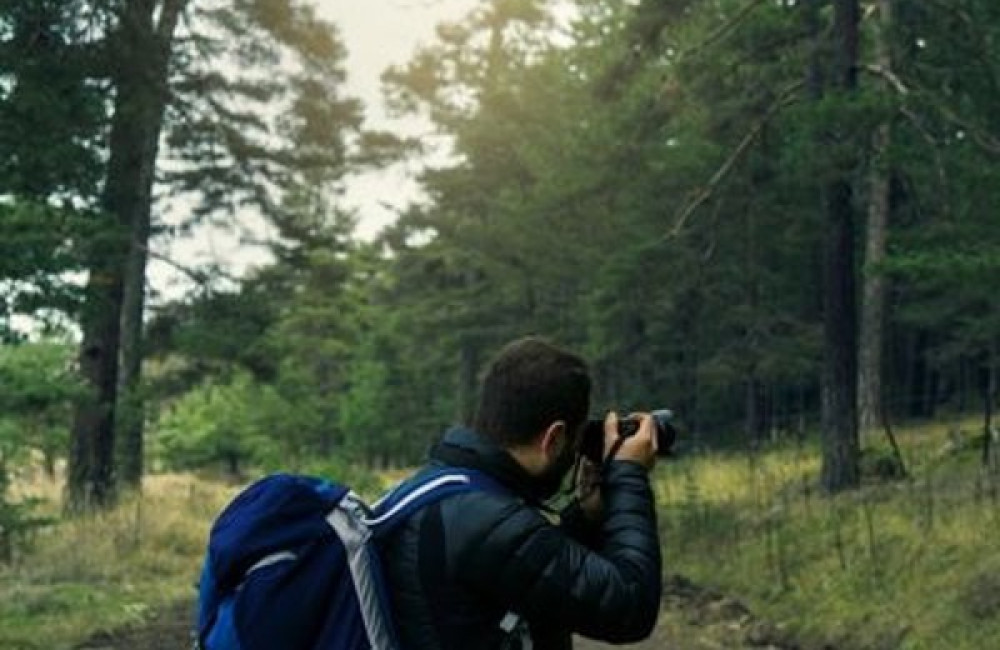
(640, 447)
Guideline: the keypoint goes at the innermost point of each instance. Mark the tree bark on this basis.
(989, 395)
(841, 450)
(91, 460)
(131, 406)
(917, 373)
(838, 414)
(755, 426)
(140, 80)
(873, 297)
(755, 412)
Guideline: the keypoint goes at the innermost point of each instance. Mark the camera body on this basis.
(592, 437)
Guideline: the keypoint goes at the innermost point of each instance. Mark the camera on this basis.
(592, 438)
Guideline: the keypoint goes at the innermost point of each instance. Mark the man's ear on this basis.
(550, 438)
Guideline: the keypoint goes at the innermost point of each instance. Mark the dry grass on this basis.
(101, 572)
(894, 565)
(909, 565)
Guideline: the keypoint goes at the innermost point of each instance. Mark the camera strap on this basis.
(615, 446)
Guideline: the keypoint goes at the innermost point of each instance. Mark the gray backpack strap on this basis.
(518, 634)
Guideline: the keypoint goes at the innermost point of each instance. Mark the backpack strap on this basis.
(428, 488)
(423, 489)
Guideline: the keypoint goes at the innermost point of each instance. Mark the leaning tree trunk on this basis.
(142, 48)
(841, 450)
(873, 295)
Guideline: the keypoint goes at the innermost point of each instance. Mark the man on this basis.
(490, 569)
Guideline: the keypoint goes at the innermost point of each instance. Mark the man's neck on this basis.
(527, 458)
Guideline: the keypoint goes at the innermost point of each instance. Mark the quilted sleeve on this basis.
(514, 557)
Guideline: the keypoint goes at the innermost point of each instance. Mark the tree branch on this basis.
(611, 81)
(981, 137)
(787, 97)
(169, 17)
(202, 278)
(914, 119)
(889, 77)
(722, 30)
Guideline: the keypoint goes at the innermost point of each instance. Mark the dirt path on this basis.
(168, 630)
(693, 618)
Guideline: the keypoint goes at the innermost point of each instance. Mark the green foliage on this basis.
(555, 218)
(577, 203)
(263, 114)
(52, 123)
(51, 117)
(38, 391)
(19, 521)
(363, 481)
(221, 423)
(362, 408)
(644, 187)
(639, 181)
(242, 104)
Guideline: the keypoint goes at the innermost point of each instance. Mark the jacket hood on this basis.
(464, 447)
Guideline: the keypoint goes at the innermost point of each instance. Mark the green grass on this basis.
(910, 564)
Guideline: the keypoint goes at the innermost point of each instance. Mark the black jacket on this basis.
(457, 567)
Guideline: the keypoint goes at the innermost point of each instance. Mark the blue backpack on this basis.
(292, 563)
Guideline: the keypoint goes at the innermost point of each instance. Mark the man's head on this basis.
(534, 400)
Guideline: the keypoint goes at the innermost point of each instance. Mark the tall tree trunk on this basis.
(841, 450)
(989, 395)
(131, 406)
(156, 77)
(142, 62)
(689, 390)
(91, 459)
(963, 386)
(873, 296)
(917, 371)
(754, 426)
(755, 411)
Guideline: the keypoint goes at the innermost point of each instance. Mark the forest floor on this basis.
(698, 618)
(693, 618)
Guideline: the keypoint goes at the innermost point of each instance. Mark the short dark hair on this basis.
(530, 384)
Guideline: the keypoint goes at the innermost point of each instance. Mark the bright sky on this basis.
(377, 34)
